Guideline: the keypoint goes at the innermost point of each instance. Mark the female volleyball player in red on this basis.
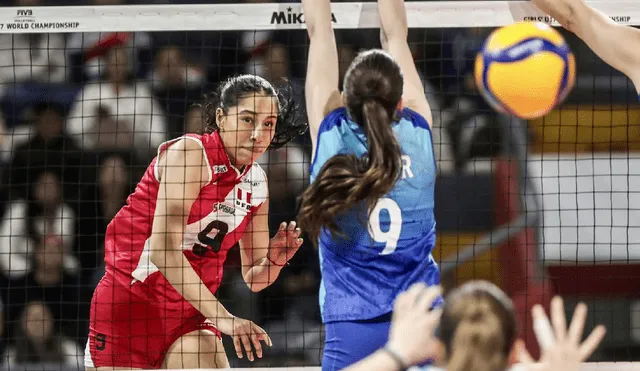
(617, 45)
(164, 250)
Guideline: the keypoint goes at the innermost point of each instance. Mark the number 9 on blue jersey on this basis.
(389, 238)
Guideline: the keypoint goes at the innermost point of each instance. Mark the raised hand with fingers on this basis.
(284, 244)
(411, 315)
(246, 335)
(562, 348)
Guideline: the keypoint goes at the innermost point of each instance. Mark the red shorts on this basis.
(128, 331)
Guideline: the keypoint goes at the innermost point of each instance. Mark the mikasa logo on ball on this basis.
(525, 47)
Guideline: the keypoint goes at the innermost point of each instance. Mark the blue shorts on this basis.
(348, 342)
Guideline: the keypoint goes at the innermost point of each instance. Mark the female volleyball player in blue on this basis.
(370, 203)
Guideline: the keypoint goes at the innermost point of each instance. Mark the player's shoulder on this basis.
(184, 141)
(200, 144)
(208, 141)
(201, 140)
(334, 118)
(211, 144)
(414, 118)
(186, 144)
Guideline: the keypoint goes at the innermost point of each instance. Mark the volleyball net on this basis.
(87, 94)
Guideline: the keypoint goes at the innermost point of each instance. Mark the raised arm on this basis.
(393, 35)
(321, 86)
(183, 172)
(615, 44)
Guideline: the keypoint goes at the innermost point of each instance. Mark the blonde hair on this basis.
(478, 328)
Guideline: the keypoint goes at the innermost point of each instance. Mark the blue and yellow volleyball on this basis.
(525, 69)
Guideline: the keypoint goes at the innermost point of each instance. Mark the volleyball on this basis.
(525, 69)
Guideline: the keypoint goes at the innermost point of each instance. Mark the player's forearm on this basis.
(393, 19)
(581, 18)
(617, 45)
(186, 281)
(168, 257)
(261, 275)
(593, 27)
(317, 17)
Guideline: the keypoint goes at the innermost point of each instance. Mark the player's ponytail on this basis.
(477, 344)
(373, 89)
(478, 328)
(384, 154)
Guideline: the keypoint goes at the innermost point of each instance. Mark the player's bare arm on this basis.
(183, 172)
(263, 257)
(393, 36)
(616, 44)
(321, 86)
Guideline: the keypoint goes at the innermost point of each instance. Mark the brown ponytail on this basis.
(345, 180)
(478, 343)
(478, 328)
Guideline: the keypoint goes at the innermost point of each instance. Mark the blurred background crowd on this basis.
(83, 114)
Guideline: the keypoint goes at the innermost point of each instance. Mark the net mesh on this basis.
(89, 93)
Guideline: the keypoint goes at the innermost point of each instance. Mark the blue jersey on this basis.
(363, 272)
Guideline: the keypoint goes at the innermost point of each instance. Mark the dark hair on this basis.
(372, 88)
(289, 124)
(478, 328)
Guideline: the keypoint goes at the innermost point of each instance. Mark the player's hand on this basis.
(285, 243)
(562, 349)
(411, 315)
(245, 335)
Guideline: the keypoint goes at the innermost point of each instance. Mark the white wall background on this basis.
(591, 206)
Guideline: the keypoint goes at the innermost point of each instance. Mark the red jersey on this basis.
(217, 220)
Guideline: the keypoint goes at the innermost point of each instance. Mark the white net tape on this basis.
(436, 14)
